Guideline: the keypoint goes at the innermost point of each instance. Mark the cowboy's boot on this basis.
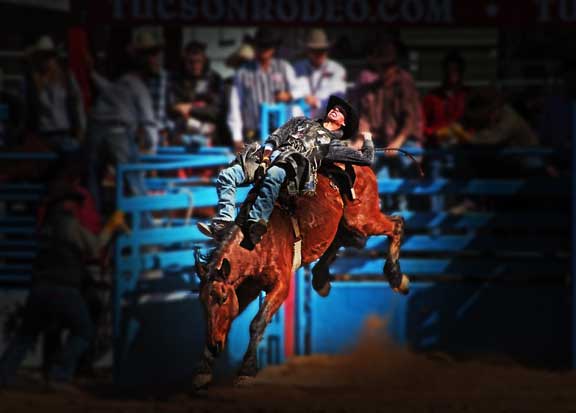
(216, 229)
(253, 233)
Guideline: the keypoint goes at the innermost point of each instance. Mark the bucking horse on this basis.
(232, 277)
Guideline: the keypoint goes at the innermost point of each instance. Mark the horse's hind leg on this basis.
(270, 306)
(398, 281)
(393, 228)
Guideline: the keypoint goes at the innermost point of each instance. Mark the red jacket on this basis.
(441, 109)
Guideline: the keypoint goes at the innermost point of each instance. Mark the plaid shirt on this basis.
(390, 103)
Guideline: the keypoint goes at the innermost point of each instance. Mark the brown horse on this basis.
(234, 277)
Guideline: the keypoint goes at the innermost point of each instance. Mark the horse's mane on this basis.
(218, 254)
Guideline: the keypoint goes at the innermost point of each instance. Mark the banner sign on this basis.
(333, 12)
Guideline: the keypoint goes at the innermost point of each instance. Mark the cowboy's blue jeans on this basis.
(262, 208)
(47, 304)
(226, 183)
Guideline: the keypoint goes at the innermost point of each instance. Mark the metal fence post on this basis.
(573, 234)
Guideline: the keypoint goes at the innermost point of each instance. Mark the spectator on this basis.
(488, 120)
(445, 105)
(11, 117)
(389, 102)
(266, 79)
(58, 277)
(240, 57)
(318, 76)
(54, 105)
(197, 94)
(121, 118)
(148, 51)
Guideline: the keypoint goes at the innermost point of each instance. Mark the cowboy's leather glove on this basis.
(261, 170)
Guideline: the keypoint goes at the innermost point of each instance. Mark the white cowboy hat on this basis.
(44, 44)
(243, 54)
(317, 40)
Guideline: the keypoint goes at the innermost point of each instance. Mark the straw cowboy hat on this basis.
(44, 45)
(317, 40)
(243, 54)
(146, 40)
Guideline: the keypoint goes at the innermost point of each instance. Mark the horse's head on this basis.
(221, 305)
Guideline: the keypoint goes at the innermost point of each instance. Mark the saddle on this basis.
(343, 178)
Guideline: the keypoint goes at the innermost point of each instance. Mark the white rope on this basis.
(297, 258)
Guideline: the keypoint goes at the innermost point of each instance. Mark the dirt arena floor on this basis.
(376, 377)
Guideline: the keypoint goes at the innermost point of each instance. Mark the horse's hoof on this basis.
(404, 287)
(244, 381)
(201, 381)
(324, 291)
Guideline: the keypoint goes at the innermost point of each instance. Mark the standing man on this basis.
(197, 94)
(147, 47)
(389, 101)
(264, 80)
(318, 76)
(121, 120)
(59, 275)
(53, 100)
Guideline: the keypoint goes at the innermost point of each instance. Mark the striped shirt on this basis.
(252, 87)
(328, 79)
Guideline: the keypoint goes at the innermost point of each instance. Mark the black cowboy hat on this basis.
(351, 118)
(266, 38)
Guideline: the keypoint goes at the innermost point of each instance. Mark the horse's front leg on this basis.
(270, 306)
(321, 271)
(203, 373)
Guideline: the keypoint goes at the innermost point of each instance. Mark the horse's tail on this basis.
(405, 153)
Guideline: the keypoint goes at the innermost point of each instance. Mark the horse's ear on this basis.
(225, 268)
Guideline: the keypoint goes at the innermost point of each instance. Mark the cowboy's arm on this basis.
(89, 243)
(339, 151)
